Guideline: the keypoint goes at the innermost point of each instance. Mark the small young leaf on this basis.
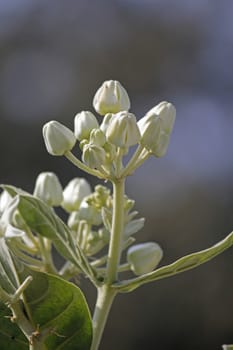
(42, 219)
(183, 264)
(134, 226)
(59, 307)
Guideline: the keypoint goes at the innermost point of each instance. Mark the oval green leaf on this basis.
(59, 308)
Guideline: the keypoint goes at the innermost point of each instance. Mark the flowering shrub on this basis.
(45, 310)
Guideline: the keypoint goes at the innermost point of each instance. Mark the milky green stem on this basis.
(130, 167)
(115, 245)
(69, 155)
(104, 302)
(106, 293)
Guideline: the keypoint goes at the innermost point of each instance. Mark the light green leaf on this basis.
(43, 220)
(186, 263)
(59, 307)
(134, 226)
(227, 347)
(8, 277)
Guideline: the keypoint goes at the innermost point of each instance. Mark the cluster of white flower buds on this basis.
(90, 216)
(90, 213)
(103, 145)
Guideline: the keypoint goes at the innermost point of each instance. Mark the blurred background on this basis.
(53, 57)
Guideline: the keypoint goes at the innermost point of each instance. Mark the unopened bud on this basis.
(110, 151)
(97, 137)
(89, 213)
(106, 121)
(123, 130)
(111, 97)
(84, 122)
(156, 127)
(149, 127)
(48, 188)
(58, 138)
(143, 258)
(74, 192)
(73, 220)
(93, 156)
(167, 114)
(162, 145)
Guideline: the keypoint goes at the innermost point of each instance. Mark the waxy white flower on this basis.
(111, 97)
(48, 188)
(123, 130)
(77, 189)
(84, 122)
(58, 138)
(144, 257)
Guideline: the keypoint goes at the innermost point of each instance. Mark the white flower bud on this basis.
(97, 137)
(73, 220)
(149, 127)
(156, 127)
(167, 114)
(162, 145)
(89, 213)
(48, 189)
(74, 192)
(110, 151)
(111, 97)
(94, 156)
(123, 130)
(143, 258)
(58, 138)
(84, 122)
(106, 121)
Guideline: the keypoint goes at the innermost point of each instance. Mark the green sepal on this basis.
(185, 263)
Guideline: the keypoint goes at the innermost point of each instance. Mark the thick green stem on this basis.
(106, 293)
(115, 245)
(104, 302)
(37, 346)
(36, 342)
